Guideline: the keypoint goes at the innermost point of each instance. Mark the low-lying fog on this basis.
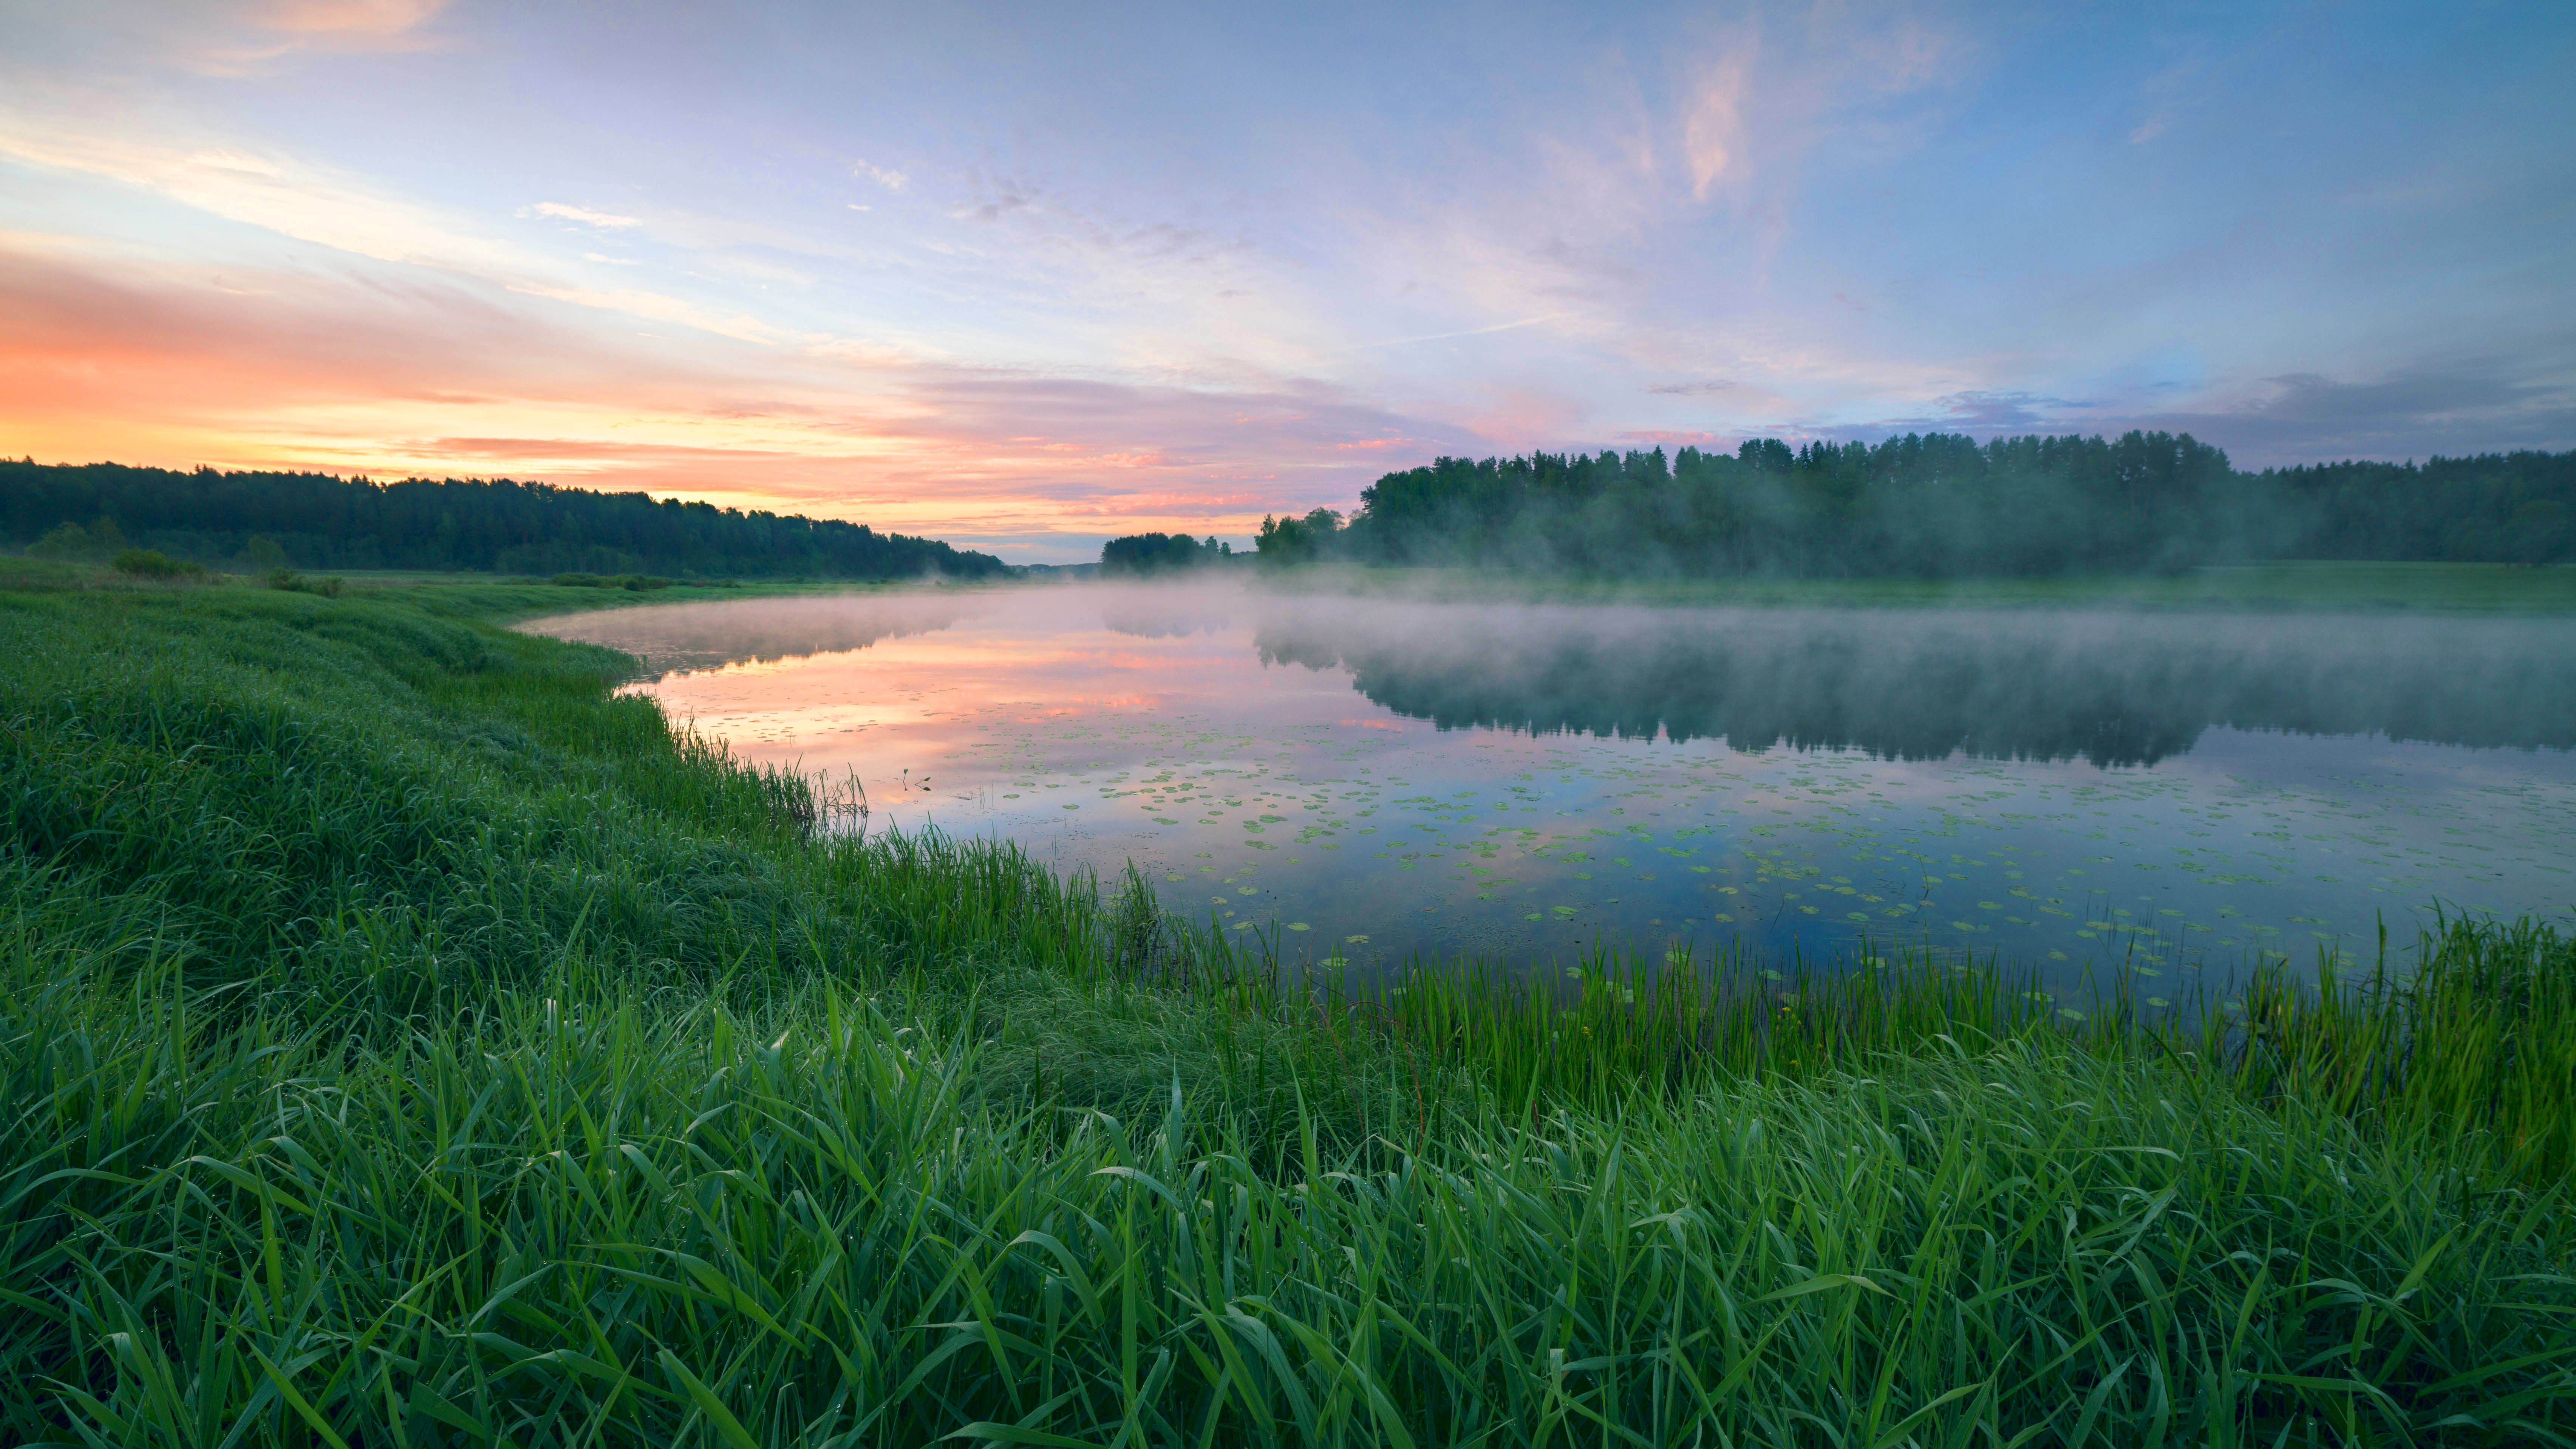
(1371, 777)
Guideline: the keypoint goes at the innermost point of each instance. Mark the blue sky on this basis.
(1028, 276)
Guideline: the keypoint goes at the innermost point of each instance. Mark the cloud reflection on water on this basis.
(2154, 789)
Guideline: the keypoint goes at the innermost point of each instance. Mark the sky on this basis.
(1028, 276)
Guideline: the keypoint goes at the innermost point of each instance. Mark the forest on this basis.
(1155, 553)
(1933, 505)
(257, 520)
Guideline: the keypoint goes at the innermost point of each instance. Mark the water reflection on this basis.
(2104, 688)
(2155, 792)
(668, 637)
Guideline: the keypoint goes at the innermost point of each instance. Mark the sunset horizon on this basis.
(1028, 282)
(1767, 723)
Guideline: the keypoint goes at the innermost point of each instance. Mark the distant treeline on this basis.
(317, 521)
(1940, 504)
(1154, 553)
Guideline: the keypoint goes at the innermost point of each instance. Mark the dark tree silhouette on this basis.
(1154, 553)
(1939, 504)
(259, 521)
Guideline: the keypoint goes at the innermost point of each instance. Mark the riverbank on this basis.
(407, 1039)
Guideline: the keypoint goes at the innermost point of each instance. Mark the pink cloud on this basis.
(377, 371)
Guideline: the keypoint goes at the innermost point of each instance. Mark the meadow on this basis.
(408, 1040)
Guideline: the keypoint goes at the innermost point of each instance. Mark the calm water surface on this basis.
(1369, 779)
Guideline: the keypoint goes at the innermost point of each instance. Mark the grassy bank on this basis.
(407, 1042)
(2361, 587)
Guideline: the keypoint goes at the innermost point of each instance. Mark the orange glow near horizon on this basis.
(179, 367)
(1029, 296)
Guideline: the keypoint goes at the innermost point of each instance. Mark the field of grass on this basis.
(407, 1041)
(2363, 587)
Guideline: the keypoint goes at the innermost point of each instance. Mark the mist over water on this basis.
(2174, 793)
(2110, 688)
(681, 638)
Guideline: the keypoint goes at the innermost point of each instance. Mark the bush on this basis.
(151, 563)
(282, 577)
(63, 541)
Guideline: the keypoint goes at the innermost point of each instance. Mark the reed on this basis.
(405, 1041)
(1596, 1032)
(577, 1213)
(2473, 1030)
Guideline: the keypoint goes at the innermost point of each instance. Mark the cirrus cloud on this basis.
(606, 221)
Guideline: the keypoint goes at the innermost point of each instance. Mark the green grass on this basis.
(43, 573)
(2271, 587)
(2477, 1032)
(407, 1042)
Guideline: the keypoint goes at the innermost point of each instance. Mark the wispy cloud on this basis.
(658, 307)
(2464, 404)
(310, 204)
(885, 176)
(1515, 326)
(262, 37)
(370, 374)
(2460, 405)
(275, 192)
(360, 18)
(606, 221)
(1713, 134)
(2169, 92)
(1036, 271)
